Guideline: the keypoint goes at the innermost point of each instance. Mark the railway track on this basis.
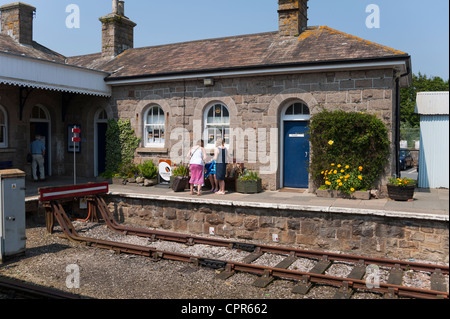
(14, 289)
(355, 281)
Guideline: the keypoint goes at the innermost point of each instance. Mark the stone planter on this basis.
(180, 183)
(401, 193)
(150, 182)
(172, 178)
(118, 181)
(249, 187)
(327, 193)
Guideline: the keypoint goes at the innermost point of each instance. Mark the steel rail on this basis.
(189, 239)
(71, 233)
(34, 291)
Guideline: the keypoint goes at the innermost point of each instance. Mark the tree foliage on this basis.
(420, 83)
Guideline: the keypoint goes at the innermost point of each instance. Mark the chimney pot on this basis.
(121, 8)
(115, 6)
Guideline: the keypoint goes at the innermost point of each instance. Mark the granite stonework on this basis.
(254, 103)
(366, 235)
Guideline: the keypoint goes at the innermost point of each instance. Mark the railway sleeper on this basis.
(319, 268)
(306, 280)
(346, 291)
(209, 263)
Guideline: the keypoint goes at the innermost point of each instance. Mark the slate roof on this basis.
(8, 45)
(316, 44)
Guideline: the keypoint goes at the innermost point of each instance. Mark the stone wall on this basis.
(255, 103)
(373, 236)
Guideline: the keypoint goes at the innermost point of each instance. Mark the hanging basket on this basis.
(401, 193)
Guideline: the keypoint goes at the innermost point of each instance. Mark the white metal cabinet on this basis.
(12, 213)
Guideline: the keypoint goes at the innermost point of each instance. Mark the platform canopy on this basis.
(49, 75)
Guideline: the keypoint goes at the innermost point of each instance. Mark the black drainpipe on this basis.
(397, 122)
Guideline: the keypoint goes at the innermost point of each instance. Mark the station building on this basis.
(257, 91)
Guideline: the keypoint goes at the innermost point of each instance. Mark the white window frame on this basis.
(222, 125)
(162, 140)
(4, 128)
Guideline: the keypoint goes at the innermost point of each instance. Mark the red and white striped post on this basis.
(75, 139)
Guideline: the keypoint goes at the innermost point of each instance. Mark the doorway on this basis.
(296, 146)
(40, 125)
(100, 128)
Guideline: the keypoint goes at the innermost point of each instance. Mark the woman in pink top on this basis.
(197, 156)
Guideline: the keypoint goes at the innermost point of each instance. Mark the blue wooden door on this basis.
(296, 154)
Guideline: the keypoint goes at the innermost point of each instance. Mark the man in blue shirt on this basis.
(37, 149)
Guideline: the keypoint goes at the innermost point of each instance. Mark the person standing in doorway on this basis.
(37, 150)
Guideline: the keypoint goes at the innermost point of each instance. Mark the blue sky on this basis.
(420, 28)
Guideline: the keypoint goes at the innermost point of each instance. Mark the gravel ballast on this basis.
(107, 275)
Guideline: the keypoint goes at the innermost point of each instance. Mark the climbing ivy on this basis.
(121, 144)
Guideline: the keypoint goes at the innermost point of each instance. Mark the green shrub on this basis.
(148, 170)
(248, 175)
(121, 143)
(352, 139)
(128, 170)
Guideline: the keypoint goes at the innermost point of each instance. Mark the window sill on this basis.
(152, 150)
(7, 150)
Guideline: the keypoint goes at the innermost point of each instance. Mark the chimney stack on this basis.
(117, 31)
(17, 21)
(293, 17)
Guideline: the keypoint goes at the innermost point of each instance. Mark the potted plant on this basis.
(180, 178)
(401, 189)
(249, 183)
(149, 172)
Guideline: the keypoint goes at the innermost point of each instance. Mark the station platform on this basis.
(428, 204)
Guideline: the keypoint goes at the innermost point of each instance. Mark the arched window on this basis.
(102, 116)
(217, 124)
(154, 127)
(297, 109)
(3, 128)
(38, 114)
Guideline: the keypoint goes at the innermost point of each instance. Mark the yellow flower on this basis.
(347, 167)
(339, 166)
(360, 168)
(352, 189)
(342, 171)
(331, 142)
(340, 184)
(360, 177)
(335, 172)
(339, 181)
(323, 172)
(332, 164)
